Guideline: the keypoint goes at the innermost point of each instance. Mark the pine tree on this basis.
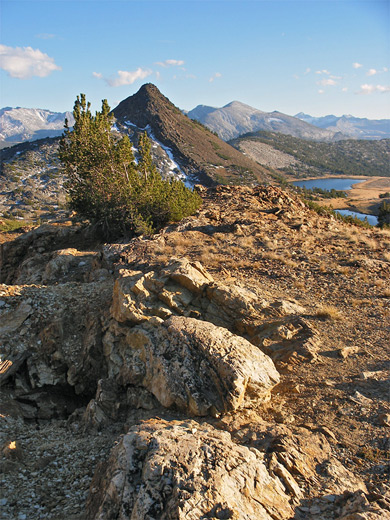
(106, 185)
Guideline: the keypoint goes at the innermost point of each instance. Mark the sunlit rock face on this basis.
(185, 470)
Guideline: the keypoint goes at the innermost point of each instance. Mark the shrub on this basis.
(384, 214)
(107, 186)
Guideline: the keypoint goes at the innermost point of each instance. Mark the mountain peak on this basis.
(142, 106)
(150, 90)
(197, 150)
(234, 103)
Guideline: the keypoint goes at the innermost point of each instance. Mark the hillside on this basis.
(202, 155)
(302, 158)
(236, 118)
(31, 181)
(235, 365)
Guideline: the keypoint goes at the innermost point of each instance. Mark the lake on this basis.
(372, 219)
(328, 183)
(339, 184)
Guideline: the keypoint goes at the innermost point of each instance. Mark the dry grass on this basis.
(323, 267)
(363, 275)
(352, 236)
(210, 258)
(386, 293)
(270, 244)
(300, 285)
(246, 242)
(343, 269)
(290, 262)
(328, 312)
(360, 302)
(371, 243)
(386, 256)
(270, 255)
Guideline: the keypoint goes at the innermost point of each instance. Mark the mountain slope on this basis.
(29, 124)
(303, 158)
(360, 128)
(201, 154)
(236, 118)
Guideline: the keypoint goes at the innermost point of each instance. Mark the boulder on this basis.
(190, 364)
(184, 470)
(184, 288)
(288, 341)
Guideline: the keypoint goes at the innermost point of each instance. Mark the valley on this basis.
(363, 197)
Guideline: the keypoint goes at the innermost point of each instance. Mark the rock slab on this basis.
(185, 471)
(191, 365)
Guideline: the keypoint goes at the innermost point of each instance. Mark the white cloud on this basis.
(26, 62)
(307, 71)
(373, 72)
(357, 65)
(383, 88)
(370, 89)
(170, 63)
(344, 89)
(327, 82)
(45, 36)
(126, 77)
(216, 75)
(321, 91)
(97, 75)
(323, 71)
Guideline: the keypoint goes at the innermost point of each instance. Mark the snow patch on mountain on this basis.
(29, 124)
(236, 118)
(166, 163)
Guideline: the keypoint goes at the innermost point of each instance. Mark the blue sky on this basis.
(319, 57)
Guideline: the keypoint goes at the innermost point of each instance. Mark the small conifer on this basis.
(108, 187)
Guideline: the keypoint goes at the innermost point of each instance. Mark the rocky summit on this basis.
(233, 366)
(201, 154)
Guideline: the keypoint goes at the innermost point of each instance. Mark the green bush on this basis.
(107, 186)
(384, 215)
(10, 224)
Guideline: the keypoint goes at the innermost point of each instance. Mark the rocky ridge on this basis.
(201, 154)
(209, 360)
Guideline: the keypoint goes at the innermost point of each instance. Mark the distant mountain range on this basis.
(18, 125)
(32, 178)
(359, 128)
(292, 156)
(236, 118)
(29, 124)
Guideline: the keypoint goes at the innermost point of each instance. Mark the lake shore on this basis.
(363, 197)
